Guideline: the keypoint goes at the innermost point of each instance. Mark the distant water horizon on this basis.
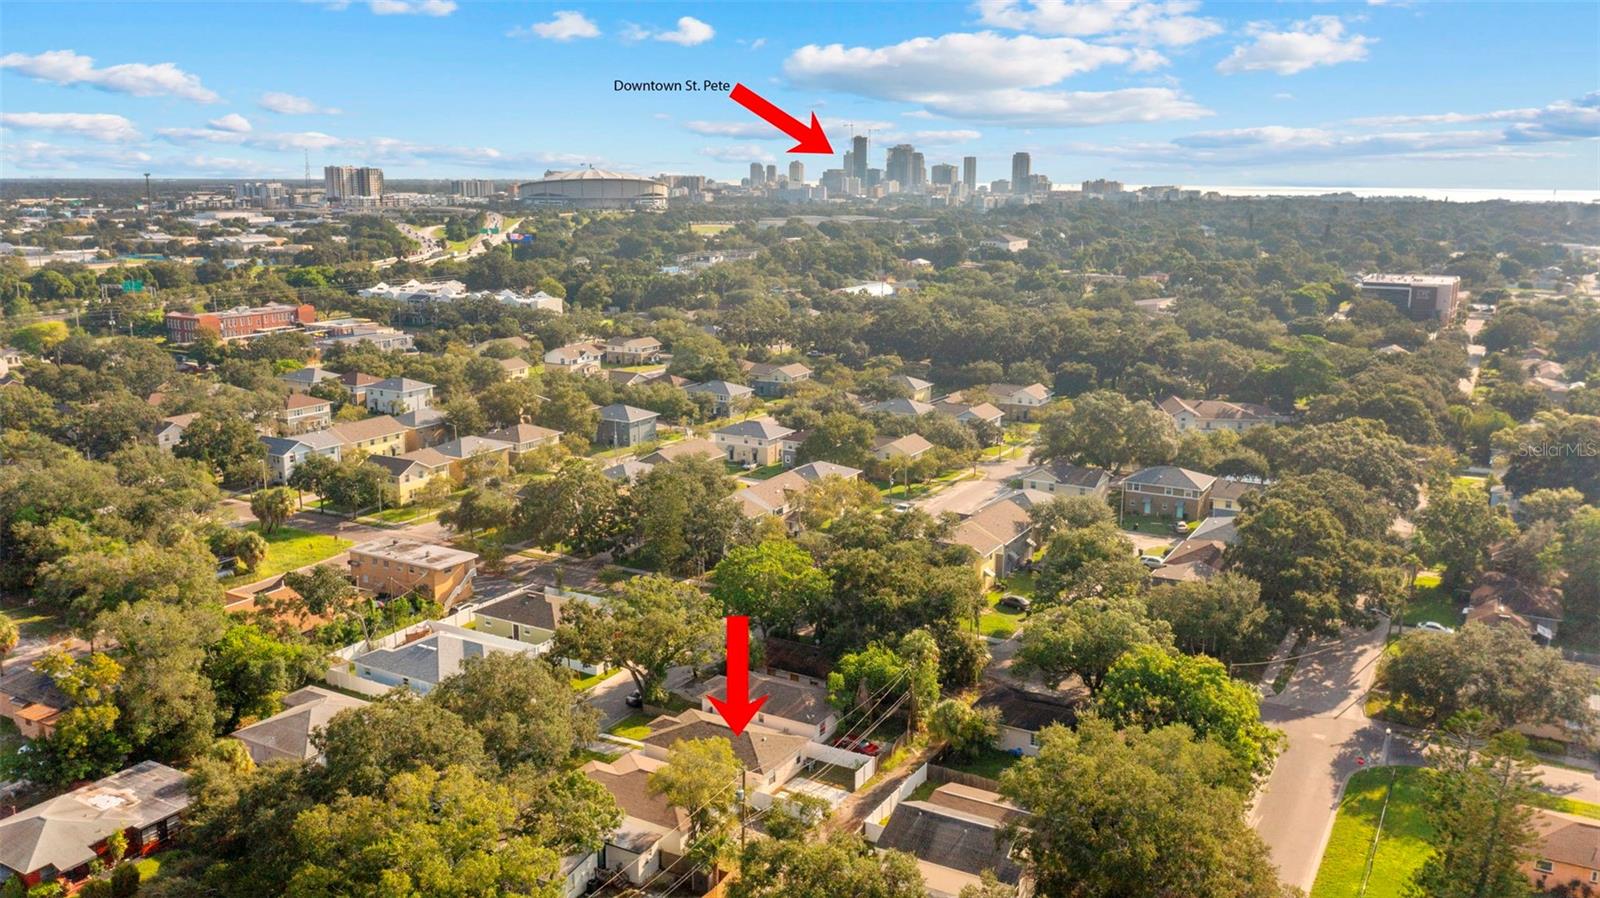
(1441, 194)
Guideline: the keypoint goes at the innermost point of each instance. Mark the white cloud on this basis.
(1283, 95)
(1562, 122)
(411, 7)
(735, 129)
(1578, 118)
(565, 26)
(995, 78)
(1120, 21)
(758, 43)
(35, 155)
(690, 32)
(138, 79)
(233, 121)
(96, 126)
(738, 153)
(290, 104)
(1317, 41)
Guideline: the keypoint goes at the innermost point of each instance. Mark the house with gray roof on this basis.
(399, 394)
(1168, 491)
(624, 425)
(57, 840)
(906, 408)
(284, 454)
(525, 437)
(956, 837)
(754, 442)
(771, 381)
(793, 707)
(1023, 714)
(287, 735)
(915, 387)
(302, 380)
(727, 397)
(1063, 478)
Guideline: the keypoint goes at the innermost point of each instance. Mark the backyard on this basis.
(998, 622)
(289, 549)
(1402, 847)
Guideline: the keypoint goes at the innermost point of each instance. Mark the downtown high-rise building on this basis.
(969, 173)
(758, 175)
(345, 181)
(858, 158)
(919, 174)
(1021, 172)
(797, 172)
(898, 166)
(772, 173)
(944, 175)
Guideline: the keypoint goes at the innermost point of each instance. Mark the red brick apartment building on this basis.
(237, 324)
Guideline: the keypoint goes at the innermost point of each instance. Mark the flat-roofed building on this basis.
(396, 567)
(1421, 297)
(237, 324)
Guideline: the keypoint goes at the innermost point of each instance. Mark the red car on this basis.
(859, 746)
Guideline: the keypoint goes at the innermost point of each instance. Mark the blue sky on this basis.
(1386, 94)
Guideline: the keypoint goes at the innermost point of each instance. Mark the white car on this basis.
(1151, 561)
(1435, 626)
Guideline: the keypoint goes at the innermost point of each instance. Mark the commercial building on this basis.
(1421, 297)
(969, 173)
(897, 168)
(858, 158)
(472, 187)
(944, 175)
(342, 182)
(592, 188)
(758, 175)
(1021, 172)
(396, 567)
(237, 324)
(797, 173)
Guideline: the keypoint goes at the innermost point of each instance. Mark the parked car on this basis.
(903, 507)
(1151, 561)
(634, 700)
(859, 746)
(1181, 528)
(1435, 626)
(1014, 603)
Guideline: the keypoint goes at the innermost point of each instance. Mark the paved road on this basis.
(967, 496)
(1321, 712)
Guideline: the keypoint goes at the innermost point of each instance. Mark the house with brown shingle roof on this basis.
(1217, 414)
(1001, 534)
(1567, 851)
(650, 826)
(769, 757)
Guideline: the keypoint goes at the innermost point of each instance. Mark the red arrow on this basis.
(737, 708)
(812, 139)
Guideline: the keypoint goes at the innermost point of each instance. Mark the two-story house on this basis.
(381, 435)
(632, 350)
(1020, 402)
(284, 454)
(771, 381)
(1168, 491)
(1066, 479)
(624, 425)
(756, 442)
(727, 398)
(576, 358)
(303, 412)
(394, 395)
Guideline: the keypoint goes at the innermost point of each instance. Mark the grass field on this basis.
(1402, 848)
(709, 228)
(33, 622)
(582, 683)
(1432, 603)
(1574, 806)
(999, 623)
(634, 726)
(990, 763)
(289, 549)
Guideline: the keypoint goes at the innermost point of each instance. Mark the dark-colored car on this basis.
(1014, 603)
(634, 700)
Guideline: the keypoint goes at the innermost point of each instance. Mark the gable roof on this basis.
(910, 444)
(690, 448)
(723, 389)
(762, 428)
(628, 470)
(1036, 391)
(531, 609)
(304, 400)
(518, 434)
(1025, 710)
(1170, 475)
(1218, 409)
(316, 441)
(764, 370)
(401, 385)
(1068, 473)
(367, 429)
(626, 414)
(994, 526)
(59, 833)
(897, 406)
(647, 817)
(310, 375)
(287, 734)
(771, 495)
(762, 750)
(471, 447)
(1567, 839)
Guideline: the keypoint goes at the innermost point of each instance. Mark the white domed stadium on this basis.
(593, 188)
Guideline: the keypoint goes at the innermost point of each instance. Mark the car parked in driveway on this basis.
(859, 746)
(1151, 561)
(1435, 627)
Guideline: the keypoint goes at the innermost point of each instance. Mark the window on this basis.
(1544, 866)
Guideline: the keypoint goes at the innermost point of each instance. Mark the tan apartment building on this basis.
(398, 566)
(382, 435)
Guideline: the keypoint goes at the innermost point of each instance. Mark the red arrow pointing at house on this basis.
(812, 139)
(737, 708)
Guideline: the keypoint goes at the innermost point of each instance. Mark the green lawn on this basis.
(1574, 806)
(1158, 525)
(996, 622)
(34, 622)
(1402, 847)
(401, 515)
(990, 763)
(581, 683)
(765, 472)
(634, 726)
(289, 549)
(1432, 603)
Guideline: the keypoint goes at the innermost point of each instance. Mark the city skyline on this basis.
(1242, 94)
